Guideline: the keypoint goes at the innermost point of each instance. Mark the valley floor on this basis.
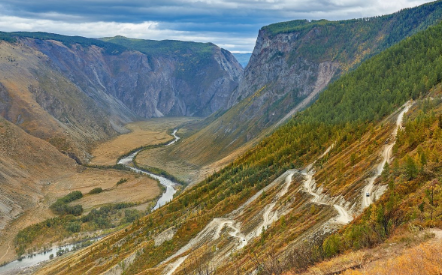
(137, 189)
(142, 133)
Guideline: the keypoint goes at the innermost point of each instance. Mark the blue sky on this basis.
(232, 25)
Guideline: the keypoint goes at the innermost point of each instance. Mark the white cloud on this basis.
(144, 30)
(231, 24)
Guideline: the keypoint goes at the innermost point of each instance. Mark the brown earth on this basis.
(137, 189)
(33, 174)
(149, 132)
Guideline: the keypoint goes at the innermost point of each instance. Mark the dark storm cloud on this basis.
(222, 20)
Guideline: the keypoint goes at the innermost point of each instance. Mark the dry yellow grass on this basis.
(149, 132)
(394, 257)
(423, 259)
(136, 190)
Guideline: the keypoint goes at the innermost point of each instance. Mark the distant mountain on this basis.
(73, 91)
(243, 58)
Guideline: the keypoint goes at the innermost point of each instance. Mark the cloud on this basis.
(227, 23)
(146, 30)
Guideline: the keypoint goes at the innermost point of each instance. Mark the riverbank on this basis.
(128, 161)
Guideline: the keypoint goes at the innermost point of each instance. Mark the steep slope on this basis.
(198, 81)
(46, 104)
(24, 174)
(291, 64)
(278, 202)
(34, 174)
(74, 91)
(27, 164)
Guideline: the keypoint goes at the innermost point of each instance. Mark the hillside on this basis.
(300, 196)
(75, 91)
(291, 64)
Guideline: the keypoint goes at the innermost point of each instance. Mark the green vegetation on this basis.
(56, 229)
(165, 47)
(123, 180)
(343, 113)
(101, 218)
(414, 196)
(347, 43)
(96, 190)
(105, 167)
(110, 48)
(382, 84)
(331, 38)
(60, 207)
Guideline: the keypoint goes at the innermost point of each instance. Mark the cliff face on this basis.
(269, 65)
(292, 62)
(147, 85)
(73, 92)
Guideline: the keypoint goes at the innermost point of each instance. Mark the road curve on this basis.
(386, 156)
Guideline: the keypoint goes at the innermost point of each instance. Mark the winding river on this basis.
(29, 261)
(170, 185)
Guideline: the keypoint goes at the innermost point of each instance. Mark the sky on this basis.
(232, 25)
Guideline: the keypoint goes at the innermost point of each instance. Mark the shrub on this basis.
(122, 181)
(73, 227)
(60, 207)
(96, 190)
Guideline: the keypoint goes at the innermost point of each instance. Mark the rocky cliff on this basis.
(74, 91)
(292, 62)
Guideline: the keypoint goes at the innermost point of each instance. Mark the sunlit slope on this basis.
(354, 117)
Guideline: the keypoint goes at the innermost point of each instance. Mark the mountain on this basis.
(75, 91)
(198, 80)
(340, 176)
(243, 58)
(292, 62)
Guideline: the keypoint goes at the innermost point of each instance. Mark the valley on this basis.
(142, 133)
(135, 189)
(321, 156)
